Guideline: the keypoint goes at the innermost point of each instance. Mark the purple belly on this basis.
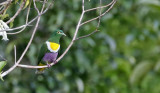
(50, 57)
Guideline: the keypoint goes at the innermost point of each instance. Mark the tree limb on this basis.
(16, 14)
(79, 24)
(73, 39)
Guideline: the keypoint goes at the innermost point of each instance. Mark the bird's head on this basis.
(58, 33)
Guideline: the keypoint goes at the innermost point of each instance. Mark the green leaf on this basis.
(4, 16)
(26, 4)
(2, 64)
(16, 1)
(140, 71)
(153, 4)
(157, 67)
(11, 24)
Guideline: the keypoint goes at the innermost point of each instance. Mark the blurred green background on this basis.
(124, 57)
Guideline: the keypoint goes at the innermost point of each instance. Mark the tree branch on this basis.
(79, 24)
(100, 15)
(28, 11)
(86, 35)
(28, 24)
(73, 39)
(7, 5)
(88, 10)
(26, 49)
(15, 54)
(69, 46)
(19, 60)
(16, 14)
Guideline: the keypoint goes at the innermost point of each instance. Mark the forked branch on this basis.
(79, 24)
(75, 34)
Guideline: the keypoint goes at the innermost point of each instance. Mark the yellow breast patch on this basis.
(54, 46)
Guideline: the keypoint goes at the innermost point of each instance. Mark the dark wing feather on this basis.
(42, 52)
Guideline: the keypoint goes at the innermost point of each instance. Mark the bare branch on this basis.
(79, 24)
(34, 67)
(29, 43)
(26, 49)
(100, 12)
(86, 35)
(74, 37)
(7, 5)
(100, 15)
(3, 58)
(6, 2)
(28, 24)
(24, 52)
(19, 10)
(69, 46)
(35, 6)
(100, 7)
(15, 54)
(28, 11)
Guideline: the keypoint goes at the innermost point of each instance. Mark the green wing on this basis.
(42, 52)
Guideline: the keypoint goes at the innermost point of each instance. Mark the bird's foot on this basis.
(49, 65)
(55, 61)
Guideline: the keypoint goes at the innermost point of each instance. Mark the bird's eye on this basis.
(58, 32)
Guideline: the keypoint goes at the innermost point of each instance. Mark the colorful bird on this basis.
(49, 51)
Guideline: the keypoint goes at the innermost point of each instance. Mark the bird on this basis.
(49, 50)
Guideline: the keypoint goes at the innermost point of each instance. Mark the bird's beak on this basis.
(64, 34)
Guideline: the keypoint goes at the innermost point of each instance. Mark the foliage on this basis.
(122, 58)
(2, 64)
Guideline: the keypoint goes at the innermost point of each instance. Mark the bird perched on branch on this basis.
(49, 51)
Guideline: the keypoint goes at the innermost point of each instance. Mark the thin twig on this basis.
(35, 6)
(1, 7)
(6, 2)
(100, 15)
(73, 39)
(100, 12)
(69, 46)
(16, 14)
(29, 43)
(86, 35)
(15, 54)
(28, 24)
(99, 7)
(26, 49)
(3, 58)
(99, 20)
(27, 16)
(7, 5)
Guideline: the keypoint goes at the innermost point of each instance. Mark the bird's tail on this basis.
(40, 70)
